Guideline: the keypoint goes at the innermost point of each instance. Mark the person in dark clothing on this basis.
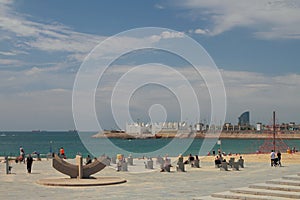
(88, 160)
(29, 162)
(191, 160)
(279, 158)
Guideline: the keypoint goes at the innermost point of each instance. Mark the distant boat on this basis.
(36, 131)
(2, 135)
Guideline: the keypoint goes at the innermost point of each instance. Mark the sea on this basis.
(84, 144)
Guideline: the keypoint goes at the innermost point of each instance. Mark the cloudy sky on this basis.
(255, 45)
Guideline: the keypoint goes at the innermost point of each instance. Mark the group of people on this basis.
(289, 151)
(219, 159)
(193, 161)
(28, 160)
(275, 158)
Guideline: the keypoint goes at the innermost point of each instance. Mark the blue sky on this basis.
(255, 44)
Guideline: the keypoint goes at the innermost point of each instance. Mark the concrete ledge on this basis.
(263, 192)
(284, 182)
(292, 177)
(74, 182)
(231, 195)
(267, 186)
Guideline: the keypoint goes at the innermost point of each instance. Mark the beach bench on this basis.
(224, 166)
(180, 165)
(160, 161)
(49, 155)
(218, 164)
(196, 163)
(122, 166)
(166, 167)
(130, 160)
(241, 162)
(8, 167)
(114, 160)
(231, 161)
(235, 166)
(149, 164)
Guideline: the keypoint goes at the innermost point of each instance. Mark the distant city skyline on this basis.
(255, 45)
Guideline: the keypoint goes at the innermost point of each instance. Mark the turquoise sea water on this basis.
(45, 142)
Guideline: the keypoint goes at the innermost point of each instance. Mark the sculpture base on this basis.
(74, 182)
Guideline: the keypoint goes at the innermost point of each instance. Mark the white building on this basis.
(153, 128)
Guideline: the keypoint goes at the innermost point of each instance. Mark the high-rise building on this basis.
(244, 119)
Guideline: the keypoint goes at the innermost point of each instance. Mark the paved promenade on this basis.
(152, 184)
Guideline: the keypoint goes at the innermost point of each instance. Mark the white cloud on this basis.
(260, 93)
(42, 36)
(12, 53)
(169, 34)
(33, 71)
(33, 90)
(159, 6)
(201, 31)
(270, 19)
(10, 62)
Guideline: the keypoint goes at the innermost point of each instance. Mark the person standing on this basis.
(29, 162)
(279, 158)
(272, 155)
(62, 153)
(22, 155)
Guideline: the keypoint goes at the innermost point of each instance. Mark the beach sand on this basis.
(146, 184)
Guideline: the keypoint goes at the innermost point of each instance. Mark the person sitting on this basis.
(88, 160)
(217, 161)
(167, 164)
(62, 153)
(38, 157)
(191, 160)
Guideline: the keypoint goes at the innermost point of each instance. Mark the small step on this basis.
(208, 198)
(292, 177)
(232, 195)
(279, 187)
(284, 182)
(263, 192)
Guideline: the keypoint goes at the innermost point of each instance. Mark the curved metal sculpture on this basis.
(74, 171)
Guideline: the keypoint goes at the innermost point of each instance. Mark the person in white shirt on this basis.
(272, 155)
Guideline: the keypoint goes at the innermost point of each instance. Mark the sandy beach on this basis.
(143, 183)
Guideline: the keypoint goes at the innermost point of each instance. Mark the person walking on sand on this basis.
(29, 162)
(272, 155)
(279, 158)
